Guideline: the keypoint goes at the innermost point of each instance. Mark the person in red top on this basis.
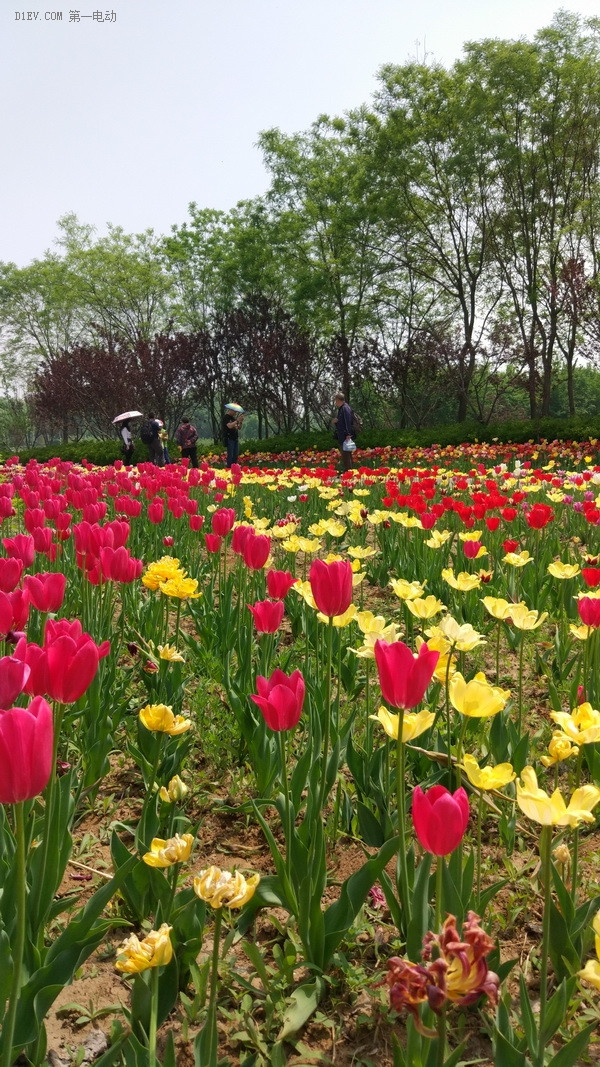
(186, 437)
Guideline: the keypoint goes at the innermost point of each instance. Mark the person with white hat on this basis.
(233, 420)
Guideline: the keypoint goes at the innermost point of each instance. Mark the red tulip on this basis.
(71, 667)
(280, 699)
(196, 522)
(222, 521)
(590, 575)
(471, 548)
(331, 585)
(440, 818)
(168, 541)
(256, 551)
(589, 610)
(240, 536)
(156, 512)
(26, 738)
(14, 610)
(279, 583)
(539, 516)
(510, 546)
(118, 565)
(20, 547)
(212, 542)
(10, 572)
(404, 677)
(13, 679)
(492, 522)
(267, 615)
(34, 657)
(46, 591)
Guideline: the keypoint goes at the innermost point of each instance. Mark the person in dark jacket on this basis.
(155, 446)
(186, 437)
(232, 424)
(343, 429)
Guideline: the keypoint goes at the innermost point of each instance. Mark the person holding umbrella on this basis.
(122, 421)
(233, 420)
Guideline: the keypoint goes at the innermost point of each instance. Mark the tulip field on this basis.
(299, 767)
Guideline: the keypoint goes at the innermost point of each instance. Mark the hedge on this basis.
(103, 453)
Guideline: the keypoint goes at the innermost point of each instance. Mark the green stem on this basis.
(546, 857)
(177, 623)
(327, 713)
(479, 818)
(448, 722)
(439, 892)
(575, 860)
(441, 1046)
(153, 1018)
(211, 1020)
(18, 947)
(59, 712)
(288, 809)
(498, 654)
(401, 809)
(521, 651)
(461, 740)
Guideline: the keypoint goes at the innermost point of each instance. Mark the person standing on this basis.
(186, 437)
(151, 436)
(128, 446)
(343, 429)
(232, 424)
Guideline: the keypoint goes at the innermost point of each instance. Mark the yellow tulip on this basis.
(560, 748)
(170, 653)
(155, 950)
(563, 570)
(477, 698)
(369, 623)
(358, 552)
(407, 590)
(176, 790)
(367, 649)
(224, 888)
(497, 607)
(525, 618)
(461, 636)
(517, 559)
(464, 581)
(304, 590)
(165, 853)
(470, 535)
(487, 778)
(582, 726)
(581, 631)
(160, 571)
(307, 546)
(340, 620)
(438, 643)
(425, 607)
(552, 810)
(402, 518)
(160, 719)
(413, 724)
(438, 538)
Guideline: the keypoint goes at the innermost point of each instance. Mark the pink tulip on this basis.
(26, 740)
(222, 521)
(267, 615)
(213, 542)
(256, 551)
(589, 611)
(13, 679)
(440, 818)
(46, 591)
(331, 585)
(404, 677)
(20, 547)
(279, 583)
(10, 572)
(280, 699)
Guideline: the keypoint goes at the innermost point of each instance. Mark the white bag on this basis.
(349, 445)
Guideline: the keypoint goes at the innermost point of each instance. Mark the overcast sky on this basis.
(127, 121)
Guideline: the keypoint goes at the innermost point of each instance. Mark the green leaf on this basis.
(556, 1009)
(571, 1052)
(505, 1054)
(369, 826)
(529, 1024)
(302, 1003)
(419, 922)
(340, 915)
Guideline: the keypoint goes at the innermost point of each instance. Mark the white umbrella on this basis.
(128, 415)
(235, 407)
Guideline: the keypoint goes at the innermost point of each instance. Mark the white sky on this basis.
(128, 121)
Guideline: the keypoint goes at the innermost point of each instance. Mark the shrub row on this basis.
(103, 453)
